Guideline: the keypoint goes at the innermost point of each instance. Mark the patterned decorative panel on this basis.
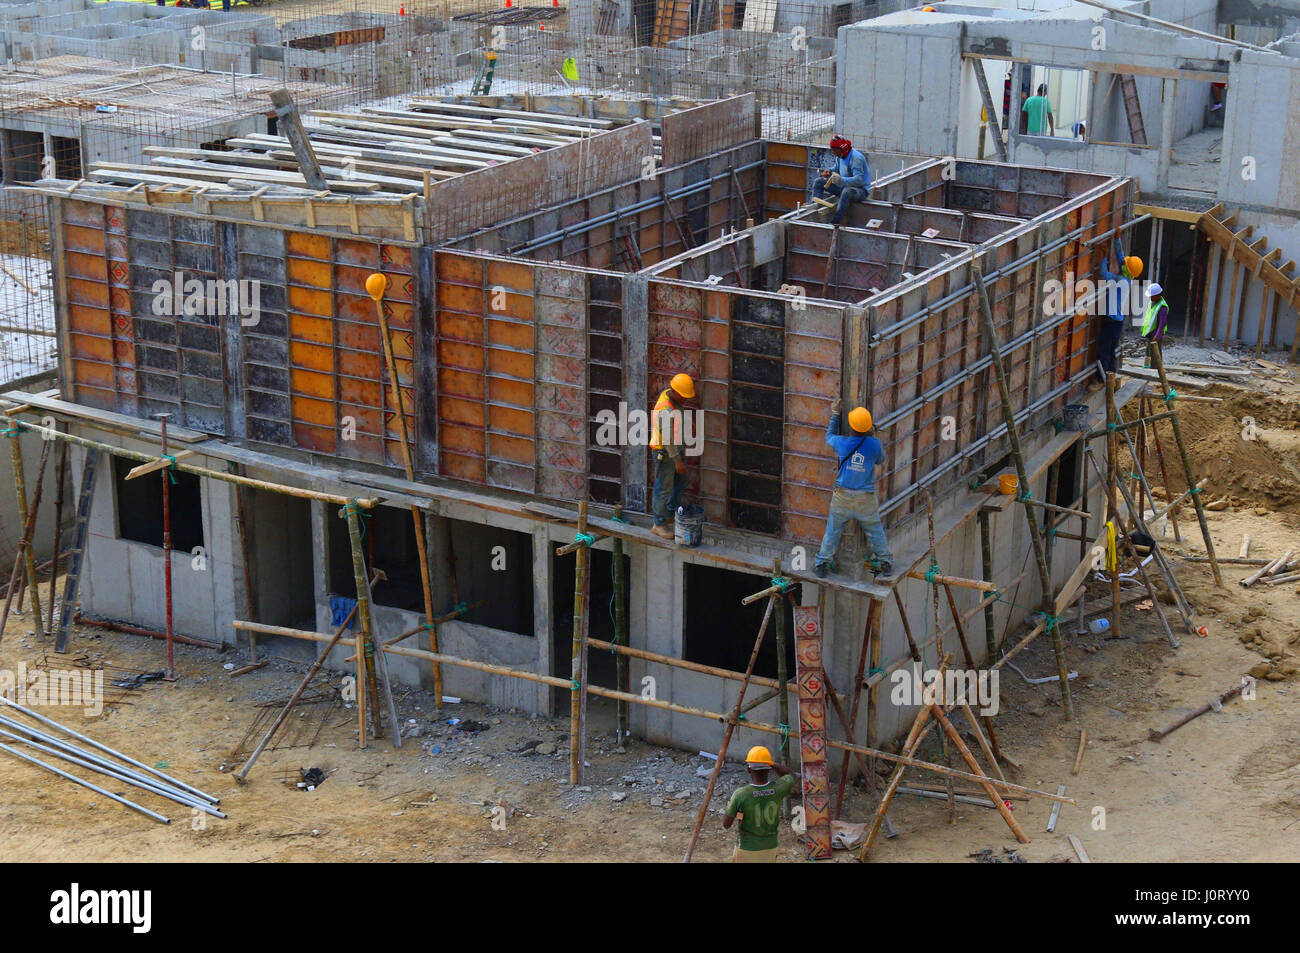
(813, 356)
(810, 685)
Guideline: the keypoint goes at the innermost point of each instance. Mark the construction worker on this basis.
(1038, 113)
(1117, 302)
(666, 441)
(850, 179)
(758, 804)
(854, 497)
(1156, 317)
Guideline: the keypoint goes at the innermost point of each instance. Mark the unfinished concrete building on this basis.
(526, 299)
(1204, 124)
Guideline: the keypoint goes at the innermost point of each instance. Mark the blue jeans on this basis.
(1108, 342)
(669, 486)
(849, 507)
(822, 188)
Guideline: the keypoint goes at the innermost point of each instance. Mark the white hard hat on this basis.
(1154, 290)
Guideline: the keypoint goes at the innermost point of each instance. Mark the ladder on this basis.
(1136, 130)
(483, 81)
(72, 580)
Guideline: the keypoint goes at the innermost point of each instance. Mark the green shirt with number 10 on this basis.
(761, 807)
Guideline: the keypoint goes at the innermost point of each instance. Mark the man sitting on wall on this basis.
(854, 497)
(850, 179)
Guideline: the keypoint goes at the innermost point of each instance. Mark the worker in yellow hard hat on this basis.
(854, 498)
(666, 443)
(758, 804)
(1119, 301)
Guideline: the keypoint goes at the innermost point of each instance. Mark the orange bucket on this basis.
(1007, 483)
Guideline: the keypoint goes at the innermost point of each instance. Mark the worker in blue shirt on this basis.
(1117, 298)
(850, 179)
(854, 497)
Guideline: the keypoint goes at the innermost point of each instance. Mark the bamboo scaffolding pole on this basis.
(874, 611)
(635, 699)
(363, 639)
(959, 581)
(25, 548)
(985, 783)
(628, 651)
(381, 670)
(376, 285)
(1045, 579)
(782, 676)
(907, 627)
(621, 676)
(1112, 503)
(242, 775)
(364, 503)
(23, 555)
(438, 620)
(60, 478)
(1158, 357)
(731, 722)
(578, 670)
(1083, 529)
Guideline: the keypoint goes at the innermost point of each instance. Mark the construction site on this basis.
(460, 431)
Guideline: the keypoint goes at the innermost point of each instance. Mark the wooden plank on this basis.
(158, 464)
(115, 421)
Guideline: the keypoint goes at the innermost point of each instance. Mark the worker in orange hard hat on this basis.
(1119, 299)
(758, 804)
(854, 498)
(667, 444)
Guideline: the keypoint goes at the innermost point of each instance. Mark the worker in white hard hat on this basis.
(758, 804)
(854, 499)
(1156, 317)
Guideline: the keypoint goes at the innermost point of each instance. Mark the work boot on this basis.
(821, 570)
(663, 532)
(886, 568)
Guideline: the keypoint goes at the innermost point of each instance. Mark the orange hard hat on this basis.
(376, 285)
(1133, 265)
(928, 10)
(759, 755)
(683, 385)
(860, 419)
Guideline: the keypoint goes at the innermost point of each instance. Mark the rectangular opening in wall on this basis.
(1069, 478)
(280, 567)
(601, 665)
(1054, 102)
(388, 543)
(67, 157)
(23, 153)
(140, 507)
(496, 565)
(719, 631)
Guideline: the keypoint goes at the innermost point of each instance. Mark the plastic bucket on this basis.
(1076, 416)
(1007, 483)
(689, 525)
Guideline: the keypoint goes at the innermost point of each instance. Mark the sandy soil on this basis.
(1226, 787)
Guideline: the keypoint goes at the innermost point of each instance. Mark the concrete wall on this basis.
(11, 527)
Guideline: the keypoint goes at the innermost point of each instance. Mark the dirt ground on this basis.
(1225, 787)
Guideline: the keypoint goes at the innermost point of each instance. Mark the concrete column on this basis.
(1169, 97)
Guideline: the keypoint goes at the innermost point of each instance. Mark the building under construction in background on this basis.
(554, 253)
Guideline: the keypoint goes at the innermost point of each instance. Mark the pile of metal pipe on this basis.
(97, 758)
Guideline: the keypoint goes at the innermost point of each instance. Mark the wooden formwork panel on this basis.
(607, 359)
(814, 355)
(562, 380)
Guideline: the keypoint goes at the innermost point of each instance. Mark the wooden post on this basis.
(363, 640)
(1169, 395)
(578, 671)
(1083, 526)
(60, 479)
(20, 489)
(1112, 505)
(620, 631)
(732, 719)
(1045, 579)
(1169, 493)
(782, 676)
(376, 285)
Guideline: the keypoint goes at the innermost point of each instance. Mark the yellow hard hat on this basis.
(376, 285)
(1133, 265)
(683, 384)
(758, 755)
(860, 419)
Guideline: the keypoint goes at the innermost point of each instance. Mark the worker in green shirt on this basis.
(759, 806)
(1038, 109)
